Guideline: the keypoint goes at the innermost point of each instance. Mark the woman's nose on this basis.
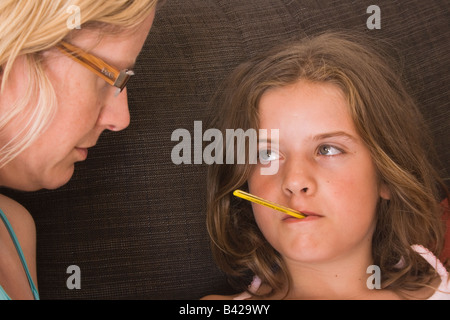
(115, 115)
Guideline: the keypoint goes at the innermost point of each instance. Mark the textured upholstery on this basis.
(133, 221)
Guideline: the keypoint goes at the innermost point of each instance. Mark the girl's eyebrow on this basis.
(265, 141)
(333, 134)
(321, 136)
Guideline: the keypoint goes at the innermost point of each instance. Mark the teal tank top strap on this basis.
(3, 294)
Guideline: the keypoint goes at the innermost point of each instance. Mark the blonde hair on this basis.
(388, 121)
(27, 28)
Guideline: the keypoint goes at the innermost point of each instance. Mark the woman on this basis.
(62, 85)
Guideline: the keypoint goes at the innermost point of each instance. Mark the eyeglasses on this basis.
(105, 71)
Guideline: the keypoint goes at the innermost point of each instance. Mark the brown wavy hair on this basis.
(388, 121)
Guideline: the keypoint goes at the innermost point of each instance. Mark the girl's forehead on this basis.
(303, 101)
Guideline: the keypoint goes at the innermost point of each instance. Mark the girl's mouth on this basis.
(309, 216)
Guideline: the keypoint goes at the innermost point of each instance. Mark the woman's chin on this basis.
(57, 180)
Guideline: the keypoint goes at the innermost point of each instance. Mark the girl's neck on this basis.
(342, 278)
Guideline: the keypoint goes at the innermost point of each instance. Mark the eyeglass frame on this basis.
(113, 76)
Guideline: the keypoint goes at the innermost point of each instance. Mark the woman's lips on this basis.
(83, 150)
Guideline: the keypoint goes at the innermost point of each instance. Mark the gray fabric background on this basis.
(132, 220)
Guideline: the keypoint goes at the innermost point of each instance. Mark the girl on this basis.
(352, 156)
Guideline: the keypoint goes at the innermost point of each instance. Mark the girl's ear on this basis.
(384, 191)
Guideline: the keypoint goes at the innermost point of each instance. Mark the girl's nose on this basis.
(297, 179)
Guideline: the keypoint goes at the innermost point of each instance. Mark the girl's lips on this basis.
(309, 216)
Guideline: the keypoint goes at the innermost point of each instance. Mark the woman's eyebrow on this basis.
(129, 65)
(119, 63)
(115, 62)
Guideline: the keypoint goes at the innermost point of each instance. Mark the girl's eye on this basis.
(327, 150)
(265, 156)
